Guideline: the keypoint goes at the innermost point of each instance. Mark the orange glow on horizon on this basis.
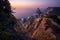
(25, 5)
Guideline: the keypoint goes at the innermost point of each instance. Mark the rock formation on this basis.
(46, 27)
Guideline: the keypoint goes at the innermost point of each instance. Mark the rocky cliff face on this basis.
(46, 27)
(41, 29)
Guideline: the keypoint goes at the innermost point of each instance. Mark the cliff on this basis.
(45, 27)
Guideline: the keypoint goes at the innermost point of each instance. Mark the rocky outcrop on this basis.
(46, 27)
(40, 30)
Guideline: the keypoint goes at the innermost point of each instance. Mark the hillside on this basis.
(44, 27)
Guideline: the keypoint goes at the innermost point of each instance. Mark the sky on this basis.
(25, 8)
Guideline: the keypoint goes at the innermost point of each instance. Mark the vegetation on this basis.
(6, 22)
(38, 13)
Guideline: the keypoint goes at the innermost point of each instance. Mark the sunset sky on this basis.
(25, 8)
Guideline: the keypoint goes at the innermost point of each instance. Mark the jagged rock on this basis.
(46, 27)
(42, 33)
(29, 22)
(38, 30)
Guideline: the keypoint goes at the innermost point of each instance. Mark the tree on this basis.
(1, 5)
(5, 6)
(7, 31)
(38, 12)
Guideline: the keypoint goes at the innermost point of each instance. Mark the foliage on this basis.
(4, 35)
